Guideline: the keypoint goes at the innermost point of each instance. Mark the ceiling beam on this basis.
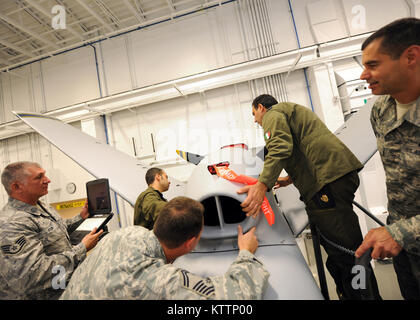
(95, 15)
(27, 30)
(16, 48)
(101, 37)
(107, 11)
(133, 11)
(4, 61)
(49, 15)
(170, 5)
(75, 18)
(140, 8)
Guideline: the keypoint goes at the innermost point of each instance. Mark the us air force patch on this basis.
(15, 247)
(202, 286)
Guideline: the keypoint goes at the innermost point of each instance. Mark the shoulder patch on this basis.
(15, 247)
(201, 286)
(267, 135)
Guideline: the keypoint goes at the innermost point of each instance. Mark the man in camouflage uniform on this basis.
(36, 256)
(391, 57)
(151, 201)
(324, 171)
(136, 263)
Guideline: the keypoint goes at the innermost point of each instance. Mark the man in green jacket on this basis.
(151, 201)
(324, 171)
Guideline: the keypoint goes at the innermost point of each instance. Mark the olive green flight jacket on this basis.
(147, 207)
(299, 142)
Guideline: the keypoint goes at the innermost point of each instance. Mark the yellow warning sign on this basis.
(72, 204)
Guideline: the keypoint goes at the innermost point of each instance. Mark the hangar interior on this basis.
(152, 76)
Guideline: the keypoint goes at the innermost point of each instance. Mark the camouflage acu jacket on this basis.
(32, 243)
(399, 147)
(130, 264)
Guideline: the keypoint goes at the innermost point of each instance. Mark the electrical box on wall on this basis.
(353, 93)
(358, 92)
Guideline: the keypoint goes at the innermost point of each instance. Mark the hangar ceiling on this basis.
(34, 29)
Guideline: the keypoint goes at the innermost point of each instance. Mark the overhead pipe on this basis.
(267, 44)
(254, 29)
(260, 28)
(283, 85)
(273, 44)
(264, 45)
(276, 79)
(266, 27)
(265, 41)
(97, 70)
(261, 41)
(263, 26)
(41, 82)
(252, 83)
(105, 126)
(243, 34)
(258, 23)
(272, 48)
(298, 41)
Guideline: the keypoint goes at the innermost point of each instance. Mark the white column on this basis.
(325, 95)
(414, 8)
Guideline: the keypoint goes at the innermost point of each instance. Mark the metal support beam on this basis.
(114, 33)
(170, 5)
(111, 16)
(16, 48)
(95, 15)
(4, 61)
(133, 11)
(139, 7)
(28, 31)
(48, 14)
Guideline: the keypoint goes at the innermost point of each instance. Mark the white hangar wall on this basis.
(220, 37)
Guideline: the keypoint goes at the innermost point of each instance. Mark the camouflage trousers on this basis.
(331, 211)
(407, 268)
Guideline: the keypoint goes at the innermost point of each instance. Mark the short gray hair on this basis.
(16, 171)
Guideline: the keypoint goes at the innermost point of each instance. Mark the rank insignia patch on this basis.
(202, 286)
(15, 247)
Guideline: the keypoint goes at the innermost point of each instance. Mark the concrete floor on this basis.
(384, 272)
